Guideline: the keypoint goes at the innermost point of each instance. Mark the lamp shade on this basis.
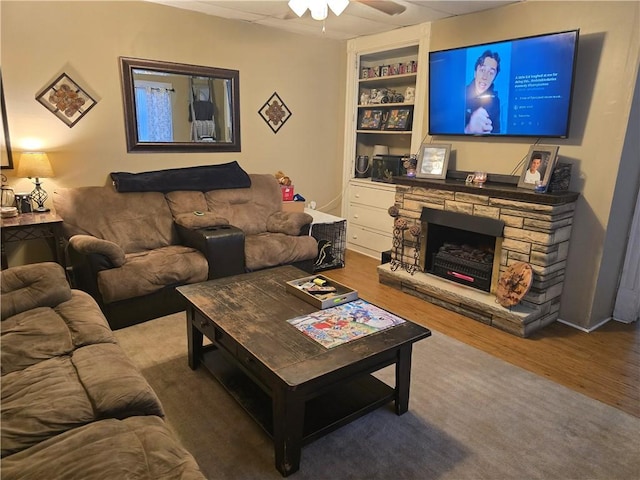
(34, 165)
(380, 150)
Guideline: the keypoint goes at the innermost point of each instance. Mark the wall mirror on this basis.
(175, 107)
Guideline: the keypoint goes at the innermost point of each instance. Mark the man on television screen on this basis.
(482, 115)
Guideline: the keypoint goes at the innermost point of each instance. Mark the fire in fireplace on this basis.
(464, 264)
(462, 248)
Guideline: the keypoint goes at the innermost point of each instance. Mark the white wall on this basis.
(40, 40)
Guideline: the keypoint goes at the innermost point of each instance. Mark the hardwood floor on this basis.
(604, 364)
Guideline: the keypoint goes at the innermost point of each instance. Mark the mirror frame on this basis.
(127, 65)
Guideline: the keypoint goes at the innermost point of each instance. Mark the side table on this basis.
(29, 226)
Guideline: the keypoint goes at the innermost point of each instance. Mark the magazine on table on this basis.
(337, 325)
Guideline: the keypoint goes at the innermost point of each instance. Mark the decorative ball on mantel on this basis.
(393, 211)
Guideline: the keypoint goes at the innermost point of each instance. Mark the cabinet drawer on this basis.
(253, 366)
(214, 334)
(373, 218)
(376, 197)
(368, 239)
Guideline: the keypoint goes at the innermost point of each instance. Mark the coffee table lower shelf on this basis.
(323, 414)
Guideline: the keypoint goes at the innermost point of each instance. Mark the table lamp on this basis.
(36, 165)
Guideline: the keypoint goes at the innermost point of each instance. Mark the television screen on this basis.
(520, 87)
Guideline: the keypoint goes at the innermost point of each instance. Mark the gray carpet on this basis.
(471, 416)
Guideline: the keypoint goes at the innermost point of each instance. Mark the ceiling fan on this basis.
(319, 9)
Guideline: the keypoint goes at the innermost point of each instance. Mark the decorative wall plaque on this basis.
(66, 100)
(275, 112)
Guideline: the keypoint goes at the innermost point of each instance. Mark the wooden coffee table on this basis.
(295, 388)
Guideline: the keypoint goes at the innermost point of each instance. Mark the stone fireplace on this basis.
(509, 223)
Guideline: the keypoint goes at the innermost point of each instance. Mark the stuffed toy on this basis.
(282, 178)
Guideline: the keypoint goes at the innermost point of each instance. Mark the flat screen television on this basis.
(521, 87)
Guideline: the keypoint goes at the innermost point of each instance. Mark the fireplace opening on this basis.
(462, 248)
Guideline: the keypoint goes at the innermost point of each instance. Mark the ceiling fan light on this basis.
(319, 10)
(338, 6)
(298, 6)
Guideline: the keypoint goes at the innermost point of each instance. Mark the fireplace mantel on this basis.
(505, 190)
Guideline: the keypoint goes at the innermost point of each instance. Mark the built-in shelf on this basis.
(374, 73)
(388, 81)
(386, 105)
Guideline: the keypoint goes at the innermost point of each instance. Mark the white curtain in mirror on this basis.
(155, 112)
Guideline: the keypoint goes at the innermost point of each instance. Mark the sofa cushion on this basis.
(136, 448)
(149, 271)
(84, 320)
(33, 336)
(61, 393)
(289, 223)
(115, 386)
(245, 208)
(29, 286)
(248, 208)
(182, 201)
(44, 332)
(134, 221)
(41, 401)
(271, 249)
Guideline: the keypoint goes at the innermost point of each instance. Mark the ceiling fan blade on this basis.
(385, 6)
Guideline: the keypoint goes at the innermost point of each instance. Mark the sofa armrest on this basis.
(30, 286)
(84, 264)
(290, 223)
(87, 244)
(222, 245)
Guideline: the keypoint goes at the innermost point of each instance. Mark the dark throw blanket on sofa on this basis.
(202, 178)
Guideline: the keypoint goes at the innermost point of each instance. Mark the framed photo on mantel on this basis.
(433, 160)
(537, 170)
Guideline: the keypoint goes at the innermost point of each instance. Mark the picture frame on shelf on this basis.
(433, 160)
(537, 170)
(398, 119)
(370, 119)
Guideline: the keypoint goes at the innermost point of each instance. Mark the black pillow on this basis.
(202, 178)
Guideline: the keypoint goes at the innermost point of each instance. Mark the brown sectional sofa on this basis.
(73, 406)
(130, 250)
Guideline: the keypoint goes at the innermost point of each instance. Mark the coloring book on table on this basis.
(336, 325)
